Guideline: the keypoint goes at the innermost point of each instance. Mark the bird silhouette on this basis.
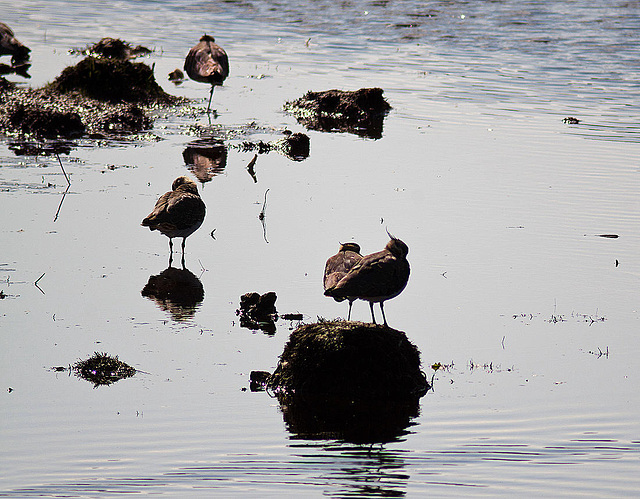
(377, 277)
(9, 45)
(338, 266)
(178, 213)
(207, 62)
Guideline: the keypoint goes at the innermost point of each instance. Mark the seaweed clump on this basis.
(360, 112)
(102, 369)
(101, 96)
(114, 48)
(258, 312)
(112, 80)
(353, 360)
(348, 380)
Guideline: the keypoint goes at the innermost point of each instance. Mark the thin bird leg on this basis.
(373, 317)
(349, 316)
(170, 251)
(383, 317)
(210, 97)
(182, 261)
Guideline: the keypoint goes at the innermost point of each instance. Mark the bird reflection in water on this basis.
(177, 291)
(206, 160)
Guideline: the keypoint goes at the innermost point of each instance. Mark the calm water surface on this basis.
(501, 204)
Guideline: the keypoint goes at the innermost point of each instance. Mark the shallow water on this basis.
(501, 204)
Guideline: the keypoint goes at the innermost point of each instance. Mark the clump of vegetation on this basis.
(258, 312)
(348, 380)
(360, 112)
(352, 360)
(113, 80)
(102, 369)
(101, 96)
(113, 48)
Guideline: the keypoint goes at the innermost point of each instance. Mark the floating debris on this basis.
(360, 112)
(570, 120)
(102, 369)
(258, 380)
(258, 312)
(176, 76)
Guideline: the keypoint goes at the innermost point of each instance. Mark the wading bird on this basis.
(178, 213)
(377, 277)
(339, 265)
(10, 46)
(207, 62)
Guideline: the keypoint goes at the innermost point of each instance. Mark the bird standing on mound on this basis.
(339, 266)
(178, 213)
(377, 277)
(207, 62)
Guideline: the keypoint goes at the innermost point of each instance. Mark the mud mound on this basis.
(349, 360)
(113, 80)
(99, 96)
(360, 112)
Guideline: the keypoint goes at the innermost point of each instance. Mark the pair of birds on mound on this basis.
(347, 275)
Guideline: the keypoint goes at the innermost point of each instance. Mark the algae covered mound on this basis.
(110, 79)
(100, 97)
(103, 369)
(353, 360)
(360, 111)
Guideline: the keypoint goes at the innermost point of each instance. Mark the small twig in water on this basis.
(65, 173)
(38, 280)
(61, 201)
(262, 217)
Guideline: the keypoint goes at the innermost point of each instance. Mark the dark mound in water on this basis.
(352, 360)
(113, 80)
(100, 97)
(102, 369)
(348, 380)
(29, 119)
(114, 48)
(258, 312)
(360, 112)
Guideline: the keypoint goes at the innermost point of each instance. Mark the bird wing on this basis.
(376, 275)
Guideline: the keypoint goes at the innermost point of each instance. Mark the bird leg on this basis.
(373, 317)
(349, 316)
(170, 251)
(184, 240)
(210, 97)
(383, 317)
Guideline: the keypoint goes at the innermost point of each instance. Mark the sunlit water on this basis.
(500, 202)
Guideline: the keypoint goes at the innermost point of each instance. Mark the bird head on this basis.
(207, 38)
(397, 247)
(186, 183)
(350, 246)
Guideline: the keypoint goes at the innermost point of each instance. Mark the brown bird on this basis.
(207, 62)
(338, 266)
(178, 213)
(377, 277)
(10, 46)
